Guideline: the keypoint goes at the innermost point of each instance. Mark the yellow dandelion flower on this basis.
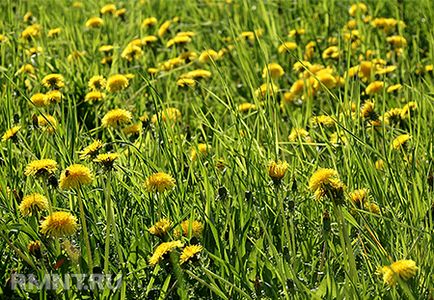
(97, 83)
(163, 249)
(54, 32)
(159, 182)
(357, 8)
(106, 49)
(379, 164)
(117, 83)
(397, 41)
(199, 73)
(132, 52)
(273, 70)
(28, 17)
(108, 9)
(120, 13)
(246, 107)
(338, 138)
(401, 269)
(208, 56)
(116, 117)
(3, 38)
(151, 21)
(202, 149)
(374, 87)
(133, 129)
(106, 159)
(75, 176)
(191, 228)
(367, 110)
(149, 39)
(161, 227)
(324, 78)
(393, 116)
(33, 203)
(331, 52)
(277, 170)
(144, 118)
(409, 107)
(41, 167)
(11, 133)
(359, 197)
(53, 81)
(32, 31)
(189, 252)
(373, 208)
(39, 99)
(77, 4)
(94, 22)
(185, 82)
(400, 141)
(94, 96)
(59, 224)
(54, 96)
(75, 55)
(323, 181)
(34, 51)
(26, 68)
(266, 88)
(299, 134)
(47, 122)
(394, 88)
(296, 32)
(286, 47)
(152, 71)
(309, 50)
(164, 28)
(385, 70)
(178, 40)
(169, 114)
(186, 33)
(91, 150)
(322, 120)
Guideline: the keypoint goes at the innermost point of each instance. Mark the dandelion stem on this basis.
(346, 244)
(85, 233)
(181, 288)
(109, 217)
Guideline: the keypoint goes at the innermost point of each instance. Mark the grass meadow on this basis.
(217, 149)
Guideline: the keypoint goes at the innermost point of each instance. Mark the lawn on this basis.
(216, 149)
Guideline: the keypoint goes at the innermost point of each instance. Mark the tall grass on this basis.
(260, 240)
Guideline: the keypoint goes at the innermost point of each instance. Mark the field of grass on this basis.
(217, 149)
